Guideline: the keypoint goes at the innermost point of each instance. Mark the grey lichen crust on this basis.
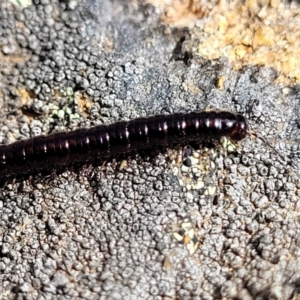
(148, 227)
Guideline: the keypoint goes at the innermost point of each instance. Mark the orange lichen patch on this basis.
(14, 58)
(264, 33)
(167, 264)
(180, 12)
(57, 93)
(254, 34)
(266, 39)
(84, 103)
(25, 96)
(220, 82)
(20, 25)
(263, 36)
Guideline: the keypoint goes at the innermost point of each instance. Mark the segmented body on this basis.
(103, 141)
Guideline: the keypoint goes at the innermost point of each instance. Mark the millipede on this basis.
(103, 141)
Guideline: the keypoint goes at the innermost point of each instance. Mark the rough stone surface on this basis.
(222, 222)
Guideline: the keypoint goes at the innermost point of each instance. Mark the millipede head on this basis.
(240, 130)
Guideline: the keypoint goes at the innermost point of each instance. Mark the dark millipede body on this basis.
(102, 141)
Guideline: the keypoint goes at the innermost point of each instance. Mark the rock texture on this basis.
(222, 222)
